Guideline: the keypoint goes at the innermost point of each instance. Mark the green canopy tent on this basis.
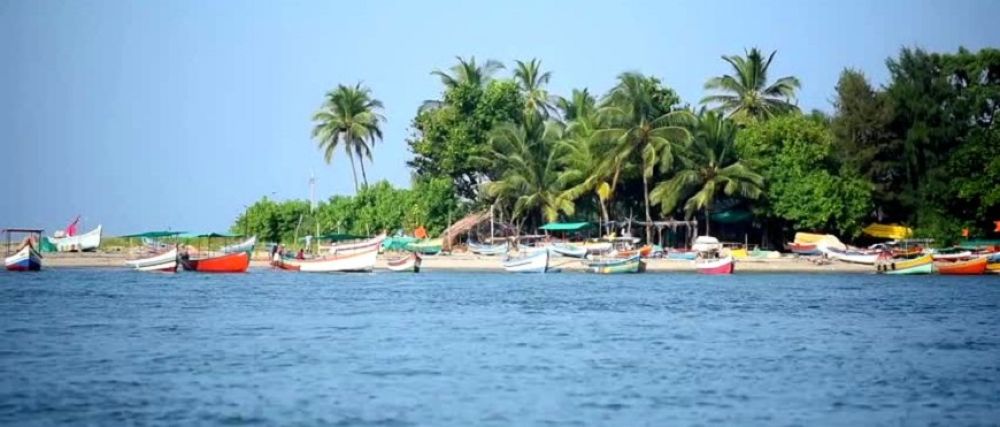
(732, 216)
(565, 226)
(340, 237)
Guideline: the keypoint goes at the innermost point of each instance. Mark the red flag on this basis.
(965, 232)
(71, 228)
(997, 230)
(420, 232)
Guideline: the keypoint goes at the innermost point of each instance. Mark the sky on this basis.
(144, 115)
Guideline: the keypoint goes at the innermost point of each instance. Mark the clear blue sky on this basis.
(154, 114)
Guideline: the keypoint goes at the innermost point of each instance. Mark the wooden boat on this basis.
(166, 262)
(410, 262)
(244, 246)
(487, 250)
(802, 248)
(357, 261)
(569, 250)
(594, 248)
(681, 254)
(617, 266)
(724, 265)
(26, 259)
(907, 251)
(227, 263)
(532, 262)
(427, 247)
(88, 241)
(851, 256)
(357, 247)
(972, 267)
(993, 267)
(952, 255)
(919, 265)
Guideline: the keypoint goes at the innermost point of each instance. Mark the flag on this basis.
(996, 230)
(71, 228)
(965, 232)
(420, 232)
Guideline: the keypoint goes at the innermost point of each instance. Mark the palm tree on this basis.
(532, 81)
(638, 124)
(580, 105)
(745, 95)
(349, 118)
(582, 153)
(465, 72)
(708, 168)
(528, 155)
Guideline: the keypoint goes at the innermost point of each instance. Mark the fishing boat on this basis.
(532, 262)
(409, 262)
(993, 267)
(919, 265)
(951, 255)
(569, 250)
(681, 254)
(617, 265)
(972, 267)
(851, 256)
(724, 265)
(426, 247)
(165, 262)
(596, 248)
(89, 241)
(357, 247)
(244, 246)
(26, 259)
(487, 250)
(237, 262)
(802, 248)
(356, 261)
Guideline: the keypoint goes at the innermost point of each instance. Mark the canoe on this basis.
(166, 261)
(227, 263)
(487, 250)
(357, 247)
(808, 238)
(953, 256)
(427, 247)
(723, 265)
(533, 262)
(617, 266)
(410, 262)
(972, 267)
(685, 255)
(357, 261)
(855, 257)
(802, 248)
(26, 259)
(244, 246)
(88, 241)
(921, 265)
(569, 250)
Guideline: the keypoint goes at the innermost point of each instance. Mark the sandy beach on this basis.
(470, 262)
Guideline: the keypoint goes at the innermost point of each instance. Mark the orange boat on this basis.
(228, 263)
(972, 267)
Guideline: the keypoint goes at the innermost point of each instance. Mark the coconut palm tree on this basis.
(580, 105)
(745, 95)
(708, 168)
(638, 125)
(349, 118)
(582, 153)
(465, 72)
(532, 81)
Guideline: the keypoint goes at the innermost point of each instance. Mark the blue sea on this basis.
(116, 347)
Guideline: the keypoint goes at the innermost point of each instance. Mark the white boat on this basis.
(88, 241)
(595, 248)
(357, 247)
(953, 256)
(851, 256)
(487, 250)
(355, 261)
(244, 246)
(166, 261)
(410, 262)
(26, 259)
(706, 244)
(532, 262)
(569, 250)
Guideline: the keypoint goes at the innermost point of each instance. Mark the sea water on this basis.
(113, 347)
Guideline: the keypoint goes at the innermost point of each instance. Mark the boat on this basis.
(26, 259)
(237, 262)
(993, 267)
(244, 246)
(919, 265)
(803, 248)
(88, 241)
(617, 265)
(972, 267)
(758, 253)
(410, 262)
(851, 256)
(426, 247)
(356, 261)
(706, 244)
(166, 261)
(486, 249)
(951, 255)
(569, 250)
(532, 262)
(594, 248)
(724, 265)
(357, 247)
(681, 254)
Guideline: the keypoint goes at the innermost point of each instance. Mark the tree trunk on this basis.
(604, 215)
(708, 224)
(354, 171)
(361, 159)
(649, 218)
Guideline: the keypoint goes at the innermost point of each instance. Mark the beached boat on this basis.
(802, 248)
(410, 262)
(244, 246)
(26, 259)
(919, 265)
(993, 267)
(227, 263)
(681, 254)
(952, 255)
(487, 250)
(595, 248)
(426, 247)
(362, 246)
(851, 256)
(972, 267)
(724, 265)
(356, 261)
(532, 262)
(617, 266)
(166, 262)
(706, 244)
(569, 250)
(88, 241)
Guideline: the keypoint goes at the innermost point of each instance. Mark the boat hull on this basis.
(803, 248)
(921, 265)
(622, 266)
(487, 250)
(88, 241)
(407, 263)
(244, 246)
(165, 262)
(361, 261)
(229, 263)
(963, 268)
(716, 266)
(572, 251)
(849, 256)
(345, 249)
(535, 262)
(26, 259)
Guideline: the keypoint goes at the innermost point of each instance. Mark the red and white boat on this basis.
(410, 262)
(227, 263)
(165, 262)
(724, 265)
(356, 261)
(26, 259)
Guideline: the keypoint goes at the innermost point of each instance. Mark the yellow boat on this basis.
(808, 238)
(888, 231)
(919, 265)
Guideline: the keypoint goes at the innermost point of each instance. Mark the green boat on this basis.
(920, 265)
(427, 247)
(617, 266)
